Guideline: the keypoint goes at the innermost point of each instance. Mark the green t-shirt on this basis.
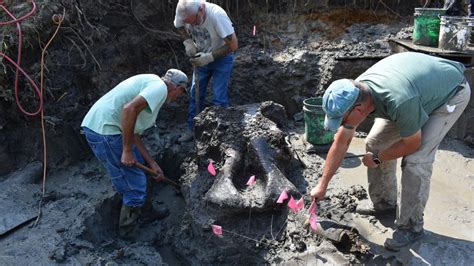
(104, 117)
(407, 87)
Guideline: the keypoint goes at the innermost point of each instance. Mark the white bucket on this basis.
(470, 22)
(454, 33)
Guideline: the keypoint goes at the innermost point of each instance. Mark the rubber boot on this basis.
(150, 214)
(401, 238)
(367, 208)
(128, 222)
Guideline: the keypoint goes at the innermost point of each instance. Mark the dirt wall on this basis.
(103, 42)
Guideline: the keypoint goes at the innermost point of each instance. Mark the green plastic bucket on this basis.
(314, 122)
(426, 26)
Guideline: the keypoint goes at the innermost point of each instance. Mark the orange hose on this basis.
(57, 19)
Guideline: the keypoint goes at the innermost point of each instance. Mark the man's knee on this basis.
(373, 144)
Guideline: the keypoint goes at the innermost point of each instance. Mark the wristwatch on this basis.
(375, 158)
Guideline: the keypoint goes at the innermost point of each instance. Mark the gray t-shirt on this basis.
(407, 87)
(211, 33)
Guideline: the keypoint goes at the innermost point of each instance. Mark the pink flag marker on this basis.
(251, 181)
(254, 30)
(300, 204)
(313, 207)
(313, 221)
(217, 230)
(211, 168)
(292, 205)
(283, 196)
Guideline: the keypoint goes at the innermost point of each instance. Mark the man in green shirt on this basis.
(113, 127)
(415, 99)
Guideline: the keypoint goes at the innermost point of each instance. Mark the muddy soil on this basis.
(299, 48)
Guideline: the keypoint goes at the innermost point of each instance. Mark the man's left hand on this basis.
(159, 173)
(368, 160)
(201, 59)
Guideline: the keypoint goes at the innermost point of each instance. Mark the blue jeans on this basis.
(128, 181)
(220, 71)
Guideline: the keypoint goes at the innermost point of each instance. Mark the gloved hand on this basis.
(191, 48)
(202, 59)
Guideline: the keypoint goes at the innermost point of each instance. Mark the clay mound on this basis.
(241, 141)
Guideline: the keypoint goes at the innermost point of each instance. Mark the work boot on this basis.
(401, 238)
(128, 222)
(150, 214)
(366, 207)
(187, 136)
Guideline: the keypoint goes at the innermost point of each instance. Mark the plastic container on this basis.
(426, 26)
(470, 23)
(314, 122)
(454, 33)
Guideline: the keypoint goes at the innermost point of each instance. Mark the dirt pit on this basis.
(299, 48)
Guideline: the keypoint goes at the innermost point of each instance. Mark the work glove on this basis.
(202, 59)
(191, 48)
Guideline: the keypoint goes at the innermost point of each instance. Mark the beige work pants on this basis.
(416, 167)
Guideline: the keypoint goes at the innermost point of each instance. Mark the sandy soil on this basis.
(448, 214)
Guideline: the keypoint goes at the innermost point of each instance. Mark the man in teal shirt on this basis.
(415, 99)
(113, 127)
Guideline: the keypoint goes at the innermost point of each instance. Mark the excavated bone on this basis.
(243, 142)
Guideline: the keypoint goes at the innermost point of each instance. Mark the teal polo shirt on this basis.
(105, 115)
(407, 87)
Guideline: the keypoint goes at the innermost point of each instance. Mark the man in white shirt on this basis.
(210, 41)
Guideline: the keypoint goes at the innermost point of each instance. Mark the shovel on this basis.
(153, 173)
(196, 90)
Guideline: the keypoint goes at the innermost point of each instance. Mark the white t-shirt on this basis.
(211, 33)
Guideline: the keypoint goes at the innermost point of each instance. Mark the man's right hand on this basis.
(318, 192)
(128, 158)
(191, 48)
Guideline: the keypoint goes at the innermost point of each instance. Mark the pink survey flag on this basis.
(251, 181)
(292, 205)
(300, 204)
(211, 168)
(217, 230)
(313, 221)
(254, 30)
(313, 207)
(283, 196)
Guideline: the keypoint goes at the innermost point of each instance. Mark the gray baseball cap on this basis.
(177, 77)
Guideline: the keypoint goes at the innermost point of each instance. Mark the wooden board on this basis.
(397, 46)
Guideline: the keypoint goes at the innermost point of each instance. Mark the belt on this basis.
(461, 86)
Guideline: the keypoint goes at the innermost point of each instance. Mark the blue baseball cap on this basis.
(338, 98)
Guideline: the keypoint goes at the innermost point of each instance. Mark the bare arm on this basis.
(403, 147)
(147, 157)
(143, 151)
(231, 44)
(130, 113)
(336, 154)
